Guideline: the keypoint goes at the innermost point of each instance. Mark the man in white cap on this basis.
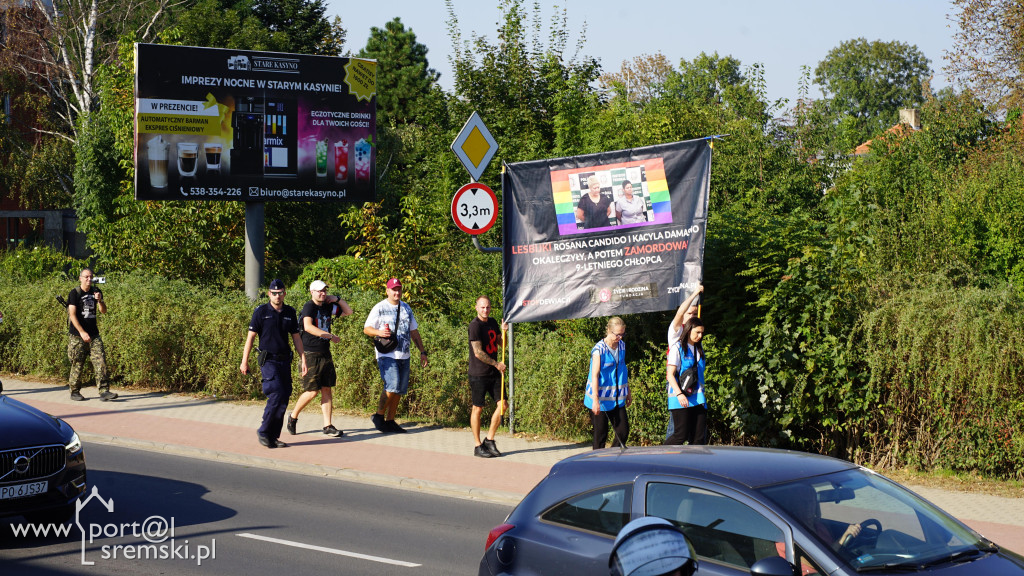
(315, 322)
(388, 316)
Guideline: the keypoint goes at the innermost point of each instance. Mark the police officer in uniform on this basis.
(273, 322)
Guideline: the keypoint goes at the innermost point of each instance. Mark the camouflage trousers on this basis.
(78, 351)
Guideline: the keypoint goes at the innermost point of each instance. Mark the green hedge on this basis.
(949, 369)
(171, 335)
(945, 366)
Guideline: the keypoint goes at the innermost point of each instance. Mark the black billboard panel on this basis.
(611, 233)
(217, 124)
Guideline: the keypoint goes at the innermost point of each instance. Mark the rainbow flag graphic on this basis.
(646, 176)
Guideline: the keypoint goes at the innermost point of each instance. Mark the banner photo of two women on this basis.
(217, 124)
(605, 234)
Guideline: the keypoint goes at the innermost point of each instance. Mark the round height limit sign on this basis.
(475, 208)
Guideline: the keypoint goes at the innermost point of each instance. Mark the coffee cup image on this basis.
(212, 151)
(188, 158)
(157, 151)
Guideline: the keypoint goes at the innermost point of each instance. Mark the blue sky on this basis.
(782, 35)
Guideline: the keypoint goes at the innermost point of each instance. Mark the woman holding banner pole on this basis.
(687, 404)
(608, 394)
(688, 309)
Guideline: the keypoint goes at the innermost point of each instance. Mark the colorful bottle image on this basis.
(321, 158)
(341, 161)
(363, 160)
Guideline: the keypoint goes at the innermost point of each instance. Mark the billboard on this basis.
(217, 124)
(603, 234)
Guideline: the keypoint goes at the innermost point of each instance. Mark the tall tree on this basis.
(67, 40)
(871, 81)
(988, 51)
(404, 77)
(223, 24)
(532, 94)
(640, 79)
(308, 30)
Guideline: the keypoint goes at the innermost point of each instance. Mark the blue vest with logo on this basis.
(686, 361)
(614, 385)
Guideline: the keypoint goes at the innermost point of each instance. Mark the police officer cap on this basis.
(276, 284)
(651, 546)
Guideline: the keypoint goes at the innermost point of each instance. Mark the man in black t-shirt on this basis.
(485, 338)
(315, 323)
(274, 322)
(84, 303)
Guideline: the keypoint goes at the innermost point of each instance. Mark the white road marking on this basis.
(330, 550)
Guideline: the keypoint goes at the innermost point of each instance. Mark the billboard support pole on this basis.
(254, 249)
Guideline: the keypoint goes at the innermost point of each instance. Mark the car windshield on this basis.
(871, 522)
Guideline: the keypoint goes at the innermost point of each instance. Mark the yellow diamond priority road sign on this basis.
(475, 146)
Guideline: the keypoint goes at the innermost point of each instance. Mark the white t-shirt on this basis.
(384, 312)
(674, 335)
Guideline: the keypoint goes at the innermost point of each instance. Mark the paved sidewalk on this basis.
(428, 458)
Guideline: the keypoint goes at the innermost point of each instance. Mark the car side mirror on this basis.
(774, 566)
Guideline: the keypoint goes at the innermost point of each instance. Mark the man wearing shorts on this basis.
(315, 319)
(485, 371)
(387, 316)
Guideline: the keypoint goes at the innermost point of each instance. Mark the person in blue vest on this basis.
(608, 394)
(688, 410)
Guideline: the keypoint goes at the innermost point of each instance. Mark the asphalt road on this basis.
(236, 520)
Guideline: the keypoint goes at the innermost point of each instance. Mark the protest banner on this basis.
(604, 234)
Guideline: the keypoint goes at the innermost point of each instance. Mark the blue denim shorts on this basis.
(394, 373)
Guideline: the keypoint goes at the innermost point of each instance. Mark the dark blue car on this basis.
(744, 511)
(42, 464)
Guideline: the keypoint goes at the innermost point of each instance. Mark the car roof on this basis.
(751, 467)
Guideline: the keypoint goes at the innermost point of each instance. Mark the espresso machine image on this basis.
(247, 148)
(280, 142)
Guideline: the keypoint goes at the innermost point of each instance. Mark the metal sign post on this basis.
(475, 209)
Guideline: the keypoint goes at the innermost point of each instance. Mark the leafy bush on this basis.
(37, 262)
(946, 369)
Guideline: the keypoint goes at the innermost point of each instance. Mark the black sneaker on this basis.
(77, 396)
(266, 441)
(378, 422)
(482, 452)
(393, 426)
(491, 447)
(291, 424)
(280, 444)
(332, 431)
(107, 395)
